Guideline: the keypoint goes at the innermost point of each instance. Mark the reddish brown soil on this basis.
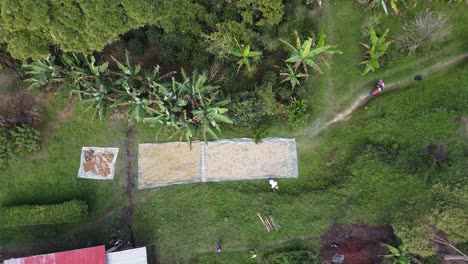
(359, 243)
(98, 163)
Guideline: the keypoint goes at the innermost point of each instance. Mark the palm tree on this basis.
(245, 55)
(292, 76)
(305, 54)
(377, 48)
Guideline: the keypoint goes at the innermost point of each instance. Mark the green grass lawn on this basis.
(51, 177)
(353, 175)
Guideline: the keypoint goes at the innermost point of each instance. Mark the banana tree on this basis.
(245, 54)
(375, 50)
(43, 72)
(190, 108)
(306, 54)
(128, 72)
(95, 95)
(210, 112)
(292, 76)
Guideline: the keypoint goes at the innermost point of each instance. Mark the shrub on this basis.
(370, 22)
(261, 12)
(74, 211)
(425, 29)
(253, 109)
(297, 113)
(452, 221)
(416, 236)
(221, 42)
(246, 112)
(17, 142)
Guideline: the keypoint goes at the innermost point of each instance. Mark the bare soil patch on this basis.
(21, 107)
(359, 243)
(98, 163)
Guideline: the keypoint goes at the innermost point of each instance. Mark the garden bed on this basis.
(98, 163)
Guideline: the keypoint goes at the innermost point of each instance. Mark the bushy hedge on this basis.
(68, 212)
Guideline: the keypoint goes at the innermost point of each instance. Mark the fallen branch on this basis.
(263, 222)
(462, 255)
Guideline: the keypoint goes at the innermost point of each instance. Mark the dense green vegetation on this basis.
(17, 141)
(399, 161)
(26, 215)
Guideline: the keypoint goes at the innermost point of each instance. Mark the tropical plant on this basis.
(192, 108)
(43, 72)
(398, 255)
(243, 52)
(305, 54)
(90, 82)
(292, 76)
(375, 50)
(426, 28)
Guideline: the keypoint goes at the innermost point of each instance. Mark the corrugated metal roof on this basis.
(92, 255)
(131, 256)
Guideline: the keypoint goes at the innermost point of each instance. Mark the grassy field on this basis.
(50, 177)
(351, 176)
(372, 168)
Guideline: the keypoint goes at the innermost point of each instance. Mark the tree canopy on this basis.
(30, 28)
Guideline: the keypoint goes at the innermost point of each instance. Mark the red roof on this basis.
(92, 255)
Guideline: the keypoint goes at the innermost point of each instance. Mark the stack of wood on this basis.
(268, 223)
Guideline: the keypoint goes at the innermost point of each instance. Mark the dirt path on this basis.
(130, 157)
(363, 98)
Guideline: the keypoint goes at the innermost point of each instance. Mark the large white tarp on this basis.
(233, 159)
